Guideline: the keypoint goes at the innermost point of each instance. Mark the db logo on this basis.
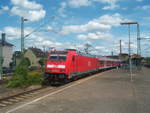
(89, 63)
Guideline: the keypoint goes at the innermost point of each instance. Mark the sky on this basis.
(74, 23)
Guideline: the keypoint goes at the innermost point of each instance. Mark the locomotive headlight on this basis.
(50, 66)
(61, 66)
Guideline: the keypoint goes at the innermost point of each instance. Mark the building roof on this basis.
(6, 43)
(38, 52)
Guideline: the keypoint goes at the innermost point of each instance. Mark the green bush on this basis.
(17, 81)
(34, 79)
(42, 63)
(22, 77)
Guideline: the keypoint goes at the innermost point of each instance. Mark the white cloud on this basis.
(102, 23)
(61, 10)
(26, 4)
(28, 9)
(90, 26)
(12, 33)
(100, 47)
(145, 7)
(139, 0)
(95, 36)
(113, 20)
(101, 50)
(49, 43)
(38, 39)
(110, 4)
(110, 7)
(50, 28)
(124, 8)
(79, 3)
(4, 9)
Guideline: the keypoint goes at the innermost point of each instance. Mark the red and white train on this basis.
(70, 64)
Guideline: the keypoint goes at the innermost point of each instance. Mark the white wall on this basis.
(7, 55)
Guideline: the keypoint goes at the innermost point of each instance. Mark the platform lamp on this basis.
(130, 62)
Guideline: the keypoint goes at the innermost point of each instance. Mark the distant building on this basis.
(16, 58)
(34, 55)
(113, 57)
(124, 56)
(7, 52)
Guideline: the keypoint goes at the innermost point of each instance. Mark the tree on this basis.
(22, 77)
(42, 62)
(87, 48)
(25, 62)
(147, 61)
(22, 68)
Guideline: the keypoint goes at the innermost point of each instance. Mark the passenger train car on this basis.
(69, 64)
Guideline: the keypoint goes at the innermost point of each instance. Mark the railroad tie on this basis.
(23, 96)
(2, 105)
(28, 95)
(32, 93)
(13, 100)
(18, 98)
(6, 102)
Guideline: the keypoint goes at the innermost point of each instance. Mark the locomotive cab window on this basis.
(58, 57)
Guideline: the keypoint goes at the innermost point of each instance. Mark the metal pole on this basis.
(1, 58)
(138, 47)
(120, 54)
(120, 47)
(22, 34)
(130, 60)
(138, 40)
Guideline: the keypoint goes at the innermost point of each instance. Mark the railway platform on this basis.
(106, 92)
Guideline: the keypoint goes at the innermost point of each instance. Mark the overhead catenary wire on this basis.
(36, 29)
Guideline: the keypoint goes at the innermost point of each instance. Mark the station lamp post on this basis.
(138, 39)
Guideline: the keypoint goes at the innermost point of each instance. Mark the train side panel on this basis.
(82, 64)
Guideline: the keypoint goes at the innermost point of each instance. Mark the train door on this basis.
(74, 63)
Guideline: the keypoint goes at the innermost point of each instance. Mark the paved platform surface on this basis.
(110, 92)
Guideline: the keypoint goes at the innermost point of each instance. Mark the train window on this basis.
(52, 57)
(56, 57)
(62, 58)
(101, 62)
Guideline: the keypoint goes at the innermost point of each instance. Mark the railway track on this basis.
(14, 99)
(10, 100)
(7, 101)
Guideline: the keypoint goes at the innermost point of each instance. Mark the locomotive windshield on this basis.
(58, 56)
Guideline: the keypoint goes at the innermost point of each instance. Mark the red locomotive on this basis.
(70, 64)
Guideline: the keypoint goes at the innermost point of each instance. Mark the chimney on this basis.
(3, 38)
